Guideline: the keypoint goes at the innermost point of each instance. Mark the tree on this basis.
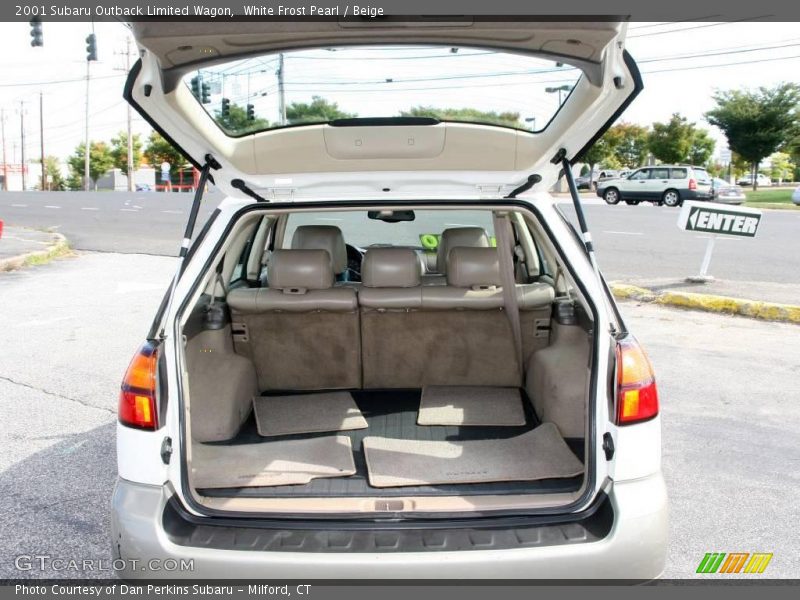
(597, 154)
(701, 148)
(52, 171)
(236, 121)
(628, 144)
(671, 142)
(159, 150)
(100, 161)
(119, 151)
(318, 110)
(758, 122)
(473, 115)
(782, 167)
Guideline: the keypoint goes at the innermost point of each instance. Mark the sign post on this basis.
(717, 220)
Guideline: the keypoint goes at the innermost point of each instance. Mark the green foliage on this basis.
(597, 154)
(757, 122)
(701, 148)
(119, 151)
(316, 111)
(100, 161)
(52, 171)
(671, 142)
(236, 121)
(159, 150)
(628, 144)
(471, 115)
(782, 167)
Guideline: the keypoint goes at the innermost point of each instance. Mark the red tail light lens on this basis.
(137, 398)
(637, 395)
(692, 184)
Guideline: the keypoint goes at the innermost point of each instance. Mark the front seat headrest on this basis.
(323, 237)
(391, 267)
(472, 237)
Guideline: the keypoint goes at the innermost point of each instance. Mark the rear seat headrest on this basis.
(323, 237)
(300, 270)
(473, 267)
(474, 237)
(391, 267)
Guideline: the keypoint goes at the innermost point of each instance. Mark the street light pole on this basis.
(86, 133)
(41, 141)
(22, 139)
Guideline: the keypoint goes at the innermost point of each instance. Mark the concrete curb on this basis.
(767, 311)
(55, 250)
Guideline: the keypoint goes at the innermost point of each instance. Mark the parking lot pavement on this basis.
(728, 388)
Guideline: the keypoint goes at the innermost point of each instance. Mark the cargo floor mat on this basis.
(307, 413)
(538, 454)
(471, 405)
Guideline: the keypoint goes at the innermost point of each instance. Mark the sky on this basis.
(682, 65)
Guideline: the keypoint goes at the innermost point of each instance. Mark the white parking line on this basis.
(129, 210)
(89, 208)
(134, 206)
(172, 212)
(624, 232)
(19, 205)
(51, 206)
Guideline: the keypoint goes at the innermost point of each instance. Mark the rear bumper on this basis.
(634, 548)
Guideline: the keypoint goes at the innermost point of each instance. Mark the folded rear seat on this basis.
(454, 334)
(302, 332)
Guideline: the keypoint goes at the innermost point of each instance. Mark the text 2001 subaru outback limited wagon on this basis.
(376, 358)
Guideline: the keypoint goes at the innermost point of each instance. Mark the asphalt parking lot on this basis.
(728, 388)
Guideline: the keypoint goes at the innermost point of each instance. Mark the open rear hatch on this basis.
(564, 82)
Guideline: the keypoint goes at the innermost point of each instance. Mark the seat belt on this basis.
(502, 229)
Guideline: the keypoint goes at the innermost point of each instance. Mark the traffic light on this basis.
(205, 93)
(251, 112)
(226, 107)
(91, 47)
(196, 87)
(36, 32)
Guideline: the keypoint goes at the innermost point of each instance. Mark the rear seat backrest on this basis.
(302, 333)
(323, 237)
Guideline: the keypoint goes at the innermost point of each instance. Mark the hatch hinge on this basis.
(489, 190)
(282, 194)
(166, 450)
(608, 445)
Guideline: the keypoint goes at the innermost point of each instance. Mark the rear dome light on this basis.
(137, 398)
(637, 395)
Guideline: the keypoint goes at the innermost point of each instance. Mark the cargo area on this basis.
(402, 375)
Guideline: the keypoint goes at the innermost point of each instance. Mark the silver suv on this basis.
(663, 184)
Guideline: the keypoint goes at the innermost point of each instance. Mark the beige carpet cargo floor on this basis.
(276, 462)
(471, 405)
(538, 454)
(307, 413)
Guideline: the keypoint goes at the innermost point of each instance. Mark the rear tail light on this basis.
(692, 184)
(637, 396)
(137, 398)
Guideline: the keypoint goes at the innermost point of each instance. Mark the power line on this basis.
(44, 83)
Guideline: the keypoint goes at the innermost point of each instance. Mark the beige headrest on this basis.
(473, 267)
(391, 267)
(474, 237)
(322, 237)
(300, 270)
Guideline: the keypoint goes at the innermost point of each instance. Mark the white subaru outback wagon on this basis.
(387, 353)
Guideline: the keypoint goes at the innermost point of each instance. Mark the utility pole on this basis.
(5, 162)
(22, 139)
(86, 136)
(41, 141)
(130, 135)
(281, 92)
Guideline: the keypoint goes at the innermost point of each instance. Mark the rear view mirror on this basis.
(392, 216)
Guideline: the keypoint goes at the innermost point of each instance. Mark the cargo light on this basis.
(137, 398)
(637, 395)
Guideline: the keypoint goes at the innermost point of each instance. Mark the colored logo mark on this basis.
(734, 562)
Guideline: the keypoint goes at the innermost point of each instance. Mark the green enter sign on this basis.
(720, 221)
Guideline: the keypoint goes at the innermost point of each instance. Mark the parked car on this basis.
(662, 184)
(286, 414)
(143, 187)
(762, 181)
(796, 195)
(727, 193)
(584, 182)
